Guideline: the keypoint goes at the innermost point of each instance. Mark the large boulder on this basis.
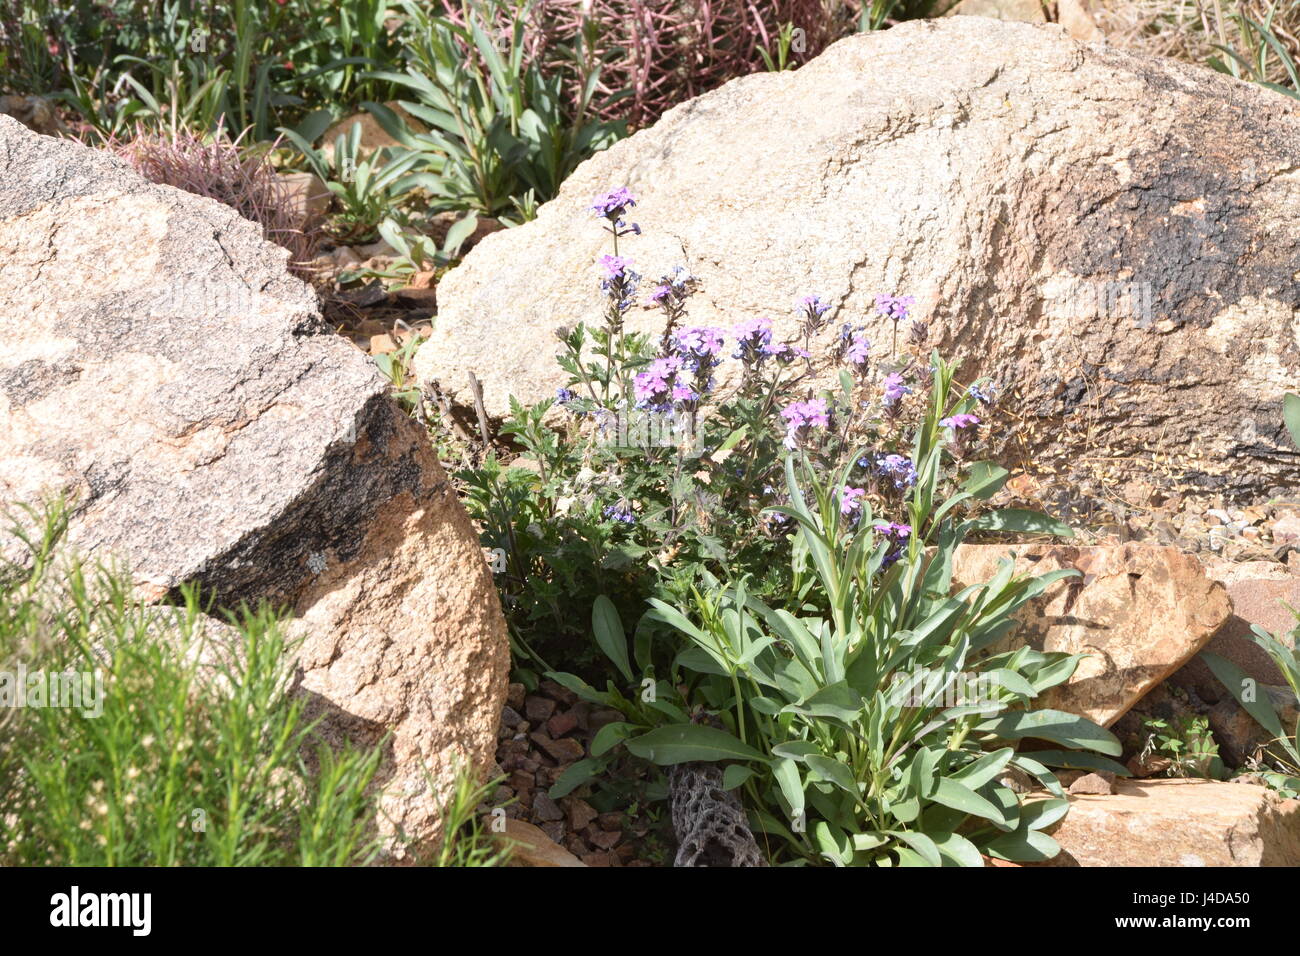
(1180, 823)
(160, 366)
(1139, 612)
(1111, 237)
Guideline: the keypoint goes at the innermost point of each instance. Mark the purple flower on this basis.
(699, 344)
(983, 393)
(898, 469)
(859, 351)
(612, 205)
(620, 512)
(801, 418)
(963, 420)
(564, 395)
(894, 307)
(895, 389)
(811, 306)
(851, 500)
(896, 535)
(616, 267)
(897, 532)
(699, 350)
(619, 283)
(753, 341)
(655, 387)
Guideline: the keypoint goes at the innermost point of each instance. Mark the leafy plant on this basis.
(1187, 743)
(466, 843)
(416, 253)
(184, 746)
(396, 367)
(1263, 51)
(1284, 749)
(501, 136)
(365, 186)
(871, 730)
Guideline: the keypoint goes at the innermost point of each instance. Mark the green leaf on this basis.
(608, 737)
(832, 771)
(1041, 814)
(950, 793)
(1236, 680)
(796, 749)
(786, 772)
(1068, 730)
(1291, 415)
(985, 479)
(735, 775)
(838, 701)
(980, 771)
(956, 850)
(579, 687)
(607, 627)
(1020, 521)
(1080, 760)
(833, 842)
(682, 743)
(1023, 846)
(575, 776)
(921, 844)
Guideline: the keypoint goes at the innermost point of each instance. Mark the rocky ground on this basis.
(542, 734)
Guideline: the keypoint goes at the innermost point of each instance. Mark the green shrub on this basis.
(796, 547)
(192, 754)
(365, 187)
(501, 136)
(861, 714)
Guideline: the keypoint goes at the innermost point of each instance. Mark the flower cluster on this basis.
(898, 469)
(619, 284)
(896, 535)
(621, 512)
(984, 394)
(895, 388)
(613, 204)
(699, 350)
(896, 308)
(802, 419)
(851, 502)
(854, 348)
(656, 388)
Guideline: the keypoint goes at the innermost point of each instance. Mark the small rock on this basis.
(1016, 780)
(1101, 782)
(557, 693)
(1148, 766)
(539, 709)
(603, 839)
(532, 846)
(610, 821)
(581, 813)
(515, 695)
(546, 809)
(1286, 529)
(561, 724)
(564, 750)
